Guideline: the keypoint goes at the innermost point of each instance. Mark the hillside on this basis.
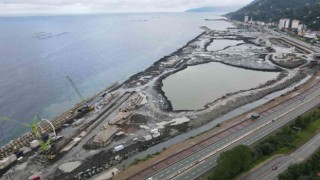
(307, 11)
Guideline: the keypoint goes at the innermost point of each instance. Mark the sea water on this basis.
(37, 52)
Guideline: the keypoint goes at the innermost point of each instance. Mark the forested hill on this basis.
(307, 11)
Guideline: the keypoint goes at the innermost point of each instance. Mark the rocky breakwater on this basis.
(66, 117)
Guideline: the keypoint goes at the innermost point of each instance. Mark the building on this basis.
(121, 118)
(246, 19)
(301, 29)
(271, 24)
(295, 24)
(260, 23)
(251, 20)
(284, 23)
(310, 35)
(104, 136)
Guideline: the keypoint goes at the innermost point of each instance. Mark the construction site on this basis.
(103, 135)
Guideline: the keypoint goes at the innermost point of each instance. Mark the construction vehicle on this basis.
(43, 138)
(85, 109)
(52, 157)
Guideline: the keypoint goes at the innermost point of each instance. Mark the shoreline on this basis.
(156, 67)
(154, 83)
(157, 63)
(151, 79)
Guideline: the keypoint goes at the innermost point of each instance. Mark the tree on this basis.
(299, 122)
(266, 148)
(232, 162)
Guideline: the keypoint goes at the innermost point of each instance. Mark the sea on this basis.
(38, 52)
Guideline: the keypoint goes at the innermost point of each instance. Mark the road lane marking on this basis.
(250, 132)
(302, 151)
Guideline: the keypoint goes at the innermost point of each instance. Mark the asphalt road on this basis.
(282, 163)
(205, 159)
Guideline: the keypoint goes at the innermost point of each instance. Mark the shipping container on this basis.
(154, 131)
(118, 148)
(34, 144)
(7, 161)
(78, 122)
(25, 150)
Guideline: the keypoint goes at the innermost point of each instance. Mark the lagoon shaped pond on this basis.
(196, 86)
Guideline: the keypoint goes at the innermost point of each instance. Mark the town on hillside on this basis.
(292, 28)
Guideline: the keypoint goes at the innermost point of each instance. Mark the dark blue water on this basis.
(36, 53)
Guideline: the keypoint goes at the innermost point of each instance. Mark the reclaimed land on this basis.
(193, 53)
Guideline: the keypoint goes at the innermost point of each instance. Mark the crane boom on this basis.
(76, 89)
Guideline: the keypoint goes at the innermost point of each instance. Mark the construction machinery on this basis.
(52, 157)
(85, 109)
(44, 139)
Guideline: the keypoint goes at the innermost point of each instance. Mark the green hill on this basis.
(307, 11)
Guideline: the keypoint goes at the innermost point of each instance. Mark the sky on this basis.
(105, 6)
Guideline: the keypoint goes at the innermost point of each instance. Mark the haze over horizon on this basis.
(109, 6)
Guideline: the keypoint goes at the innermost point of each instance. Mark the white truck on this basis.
(118, 148)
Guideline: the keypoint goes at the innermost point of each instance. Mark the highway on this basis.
(283, 162)
(200, 162)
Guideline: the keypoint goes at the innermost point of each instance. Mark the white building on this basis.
(310, 35)
(301, 29)
(260, 23)
(284, 23)
(295, 24)
(246, 19)
(271, 24)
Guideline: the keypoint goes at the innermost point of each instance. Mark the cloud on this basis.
(27, 6)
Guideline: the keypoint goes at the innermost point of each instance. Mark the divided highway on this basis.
(205, 159)
(283, 162)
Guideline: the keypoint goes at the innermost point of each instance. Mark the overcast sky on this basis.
(87, 6)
